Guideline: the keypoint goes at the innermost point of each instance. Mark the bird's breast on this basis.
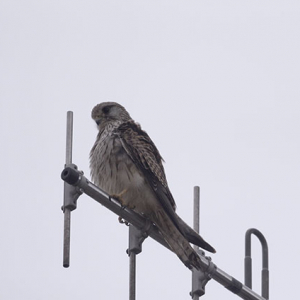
(114, 172)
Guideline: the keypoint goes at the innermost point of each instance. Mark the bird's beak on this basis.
(98, 121)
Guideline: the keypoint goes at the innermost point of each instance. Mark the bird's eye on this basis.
(106, 109)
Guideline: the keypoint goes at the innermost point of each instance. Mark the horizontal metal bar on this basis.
(74, 177)
(234, 285)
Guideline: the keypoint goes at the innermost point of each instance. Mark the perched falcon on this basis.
(126, 164)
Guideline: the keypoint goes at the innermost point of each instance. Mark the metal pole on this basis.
(132, 275)
(69, 140)
(196, 228)
(67, 211)
(196, 211)
(136, 238)
(66, 251)
(71, 192)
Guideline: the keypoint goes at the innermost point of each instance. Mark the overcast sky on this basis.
(216, 86)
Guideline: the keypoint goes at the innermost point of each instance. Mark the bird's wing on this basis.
(147, 158)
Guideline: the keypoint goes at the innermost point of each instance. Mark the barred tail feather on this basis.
(177, 242)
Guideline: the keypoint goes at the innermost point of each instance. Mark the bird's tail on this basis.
(177, 242)
(192, 236)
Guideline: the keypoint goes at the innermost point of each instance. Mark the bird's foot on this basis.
(123, 203)
(119, 198)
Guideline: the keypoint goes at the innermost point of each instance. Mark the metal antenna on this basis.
(265, 262)
(75, 178)
(75, 183)
(71, 193)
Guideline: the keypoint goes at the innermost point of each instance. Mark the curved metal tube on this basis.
(265, 262)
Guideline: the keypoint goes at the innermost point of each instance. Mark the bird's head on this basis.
(109, 111)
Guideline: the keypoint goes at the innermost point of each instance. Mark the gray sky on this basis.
(216, 86)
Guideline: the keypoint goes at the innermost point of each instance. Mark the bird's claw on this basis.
(119, 196)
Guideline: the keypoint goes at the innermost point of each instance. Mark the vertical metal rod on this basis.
(196, 209)
(66, 251)
(265, 262)
(248, 264)
(69, 139)
(196, 222)
(67, 212)
(132, 275)
(136, 238)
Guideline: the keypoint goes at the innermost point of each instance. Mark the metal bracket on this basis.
(71, 192)
(137, 237)
(200, 278)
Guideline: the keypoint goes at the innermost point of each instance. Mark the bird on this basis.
(126, 164)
